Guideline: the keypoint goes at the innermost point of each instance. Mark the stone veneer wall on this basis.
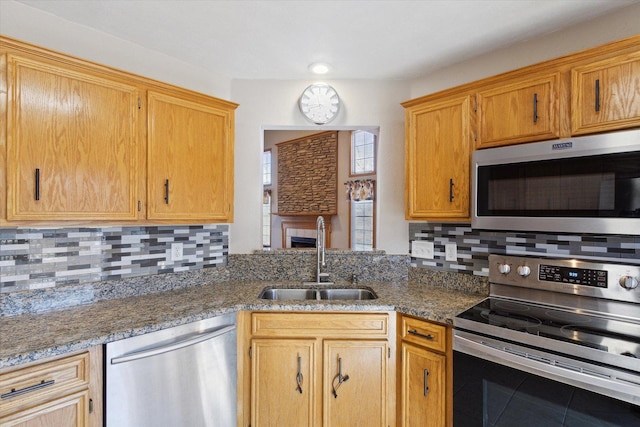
(308, 175)
(474, 247)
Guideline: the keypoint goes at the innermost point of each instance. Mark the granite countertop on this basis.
(27, 338)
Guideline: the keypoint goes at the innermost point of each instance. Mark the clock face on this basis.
(319, 103)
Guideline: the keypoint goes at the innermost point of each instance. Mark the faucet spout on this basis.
(320, 249)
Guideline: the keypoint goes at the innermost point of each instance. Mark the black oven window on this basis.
(488, 394)
(595, 186)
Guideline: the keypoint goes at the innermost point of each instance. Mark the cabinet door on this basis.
(423, 387)
(283, 382)
(606, 95)
(519, 112)
(190, 159)
(67, 411)
(355, 383)
(437, 157)
(72, 143)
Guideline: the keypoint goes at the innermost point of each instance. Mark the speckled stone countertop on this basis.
(31, 337)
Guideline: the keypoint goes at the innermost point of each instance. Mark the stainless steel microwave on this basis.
(588, 184)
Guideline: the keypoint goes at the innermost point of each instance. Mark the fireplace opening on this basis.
(303, 242)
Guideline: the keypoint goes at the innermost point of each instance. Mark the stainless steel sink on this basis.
(347, 294)
(287, 294)
(343, 294)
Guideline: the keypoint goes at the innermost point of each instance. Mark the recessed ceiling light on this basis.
(319, 68)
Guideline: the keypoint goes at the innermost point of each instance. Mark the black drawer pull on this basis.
(418, 334)
(15, 392)
(166, 191)
(535, 108)
(597, 95)
(451, 184)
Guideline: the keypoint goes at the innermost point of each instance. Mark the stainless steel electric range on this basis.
(556, 343)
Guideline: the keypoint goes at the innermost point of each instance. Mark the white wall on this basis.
(44, 29)
(618, 25)
(272, 104)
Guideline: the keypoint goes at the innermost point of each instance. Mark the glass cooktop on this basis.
(608, 335)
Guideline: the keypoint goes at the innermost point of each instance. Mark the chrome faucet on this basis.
(320, 249)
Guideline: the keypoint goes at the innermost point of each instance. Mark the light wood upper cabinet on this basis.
(190, 159)
(521, 111)
(437, 159)
(72, 143)
(87, 143)
(606, 95)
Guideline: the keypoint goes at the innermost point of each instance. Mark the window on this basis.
(266, 167)
(266, 199)
(363, 157)
(266, 220)
(362, 225)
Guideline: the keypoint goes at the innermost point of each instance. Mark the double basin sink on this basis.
(324, 294)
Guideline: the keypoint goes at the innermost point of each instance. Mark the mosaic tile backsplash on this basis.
(33, 258)
(474, 246)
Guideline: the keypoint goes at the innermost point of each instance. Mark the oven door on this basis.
(498, 387)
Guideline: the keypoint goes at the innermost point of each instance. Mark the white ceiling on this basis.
(272, 39)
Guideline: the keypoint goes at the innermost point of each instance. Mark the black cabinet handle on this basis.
(34, 387)
(418, 334)
(597, 94)
(535, 108)
(166, 191)
(37, 184)
(425, 382)
(451, 184)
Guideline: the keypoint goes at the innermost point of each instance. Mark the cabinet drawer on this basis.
(38, 383)
(320, 324)
(424, 333)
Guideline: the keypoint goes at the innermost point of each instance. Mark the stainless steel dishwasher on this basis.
(181, 376)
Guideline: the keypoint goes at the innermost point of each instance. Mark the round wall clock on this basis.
(319, 103)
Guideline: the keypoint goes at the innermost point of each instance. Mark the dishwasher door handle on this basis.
(172, 347)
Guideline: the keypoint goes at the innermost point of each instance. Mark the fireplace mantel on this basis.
(291, 223)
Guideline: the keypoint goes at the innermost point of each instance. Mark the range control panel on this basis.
(572, 276)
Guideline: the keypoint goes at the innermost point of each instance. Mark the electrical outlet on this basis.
(451, 252)
(422, 249)
(177, 252)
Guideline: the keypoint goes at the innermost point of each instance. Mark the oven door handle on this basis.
(550, 366)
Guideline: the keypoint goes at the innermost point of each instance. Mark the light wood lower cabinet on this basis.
(355, 383)
(283, 386)
(423, 387)
(65, 392)
(316, 369)
(426, 380)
